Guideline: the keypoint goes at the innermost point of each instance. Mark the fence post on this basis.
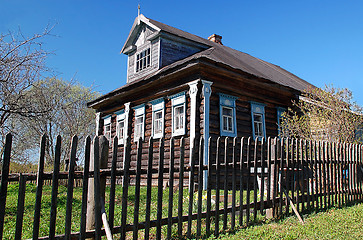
(99, 151)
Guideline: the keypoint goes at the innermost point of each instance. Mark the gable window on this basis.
(139, 122)
(143, 60)
(178, 114)
(107, 127)
(120, 126)
(227, 109)
(258, 120)
(158, 118)
(280, 111)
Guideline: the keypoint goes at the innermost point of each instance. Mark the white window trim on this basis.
(258, 108)
(178, 100)
(158, 105)
(139, 111)
(106, 123)
(227, 101)
(120, 116)
(139, 52)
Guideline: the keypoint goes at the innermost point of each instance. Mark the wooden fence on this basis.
(247, 180)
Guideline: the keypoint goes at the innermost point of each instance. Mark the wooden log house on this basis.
(182, 85)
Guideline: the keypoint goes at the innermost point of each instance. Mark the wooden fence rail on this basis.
(247, 181)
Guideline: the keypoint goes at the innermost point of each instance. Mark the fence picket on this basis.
(181, 183)
(209, 189)
(148, 188)
(87, 156)
(40, 179)
(225, 185)
(262, 184)
(234, 170)
(218, 172)
(20, 208)
(171, 185)
(159, 210)
(53, 208)
(241, 168)
(137, 190)
(200, 186)
(248, 181)
(125, 189)
(111, 210)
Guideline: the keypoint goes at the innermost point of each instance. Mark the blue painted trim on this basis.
(107, 116)
(120, 112)
(255, 105)
(177, 95)
(156, 101)
(139, 106)
(227, 101)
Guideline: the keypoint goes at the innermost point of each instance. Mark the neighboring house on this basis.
(181, 85)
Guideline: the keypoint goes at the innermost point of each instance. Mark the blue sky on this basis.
(319, 41)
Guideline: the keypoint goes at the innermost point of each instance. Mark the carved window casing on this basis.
(258, 120)
(227, 115)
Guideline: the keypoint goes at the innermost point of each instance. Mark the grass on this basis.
(345, 223)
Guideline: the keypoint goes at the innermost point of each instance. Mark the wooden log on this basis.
(72, 164)
(38, 198)
(87, 156)
(53, 208)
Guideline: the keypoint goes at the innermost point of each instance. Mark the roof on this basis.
(224, 55)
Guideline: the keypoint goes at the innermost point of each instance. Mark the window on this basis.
(227, 108)
(107, 127)
(158, 118)
(178, 114)
(280, 111)
(143, 60)
(139, 122)
(120, 126)
(258, 120)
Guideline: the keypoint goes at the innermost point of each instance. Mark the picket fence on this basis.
(246, 181)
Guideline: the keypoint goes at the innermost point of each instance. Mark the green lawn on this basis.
(346, 223)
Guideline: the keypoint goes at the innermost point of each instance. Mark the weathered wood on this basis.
(20, 207)
(200, 186)
(53, 208)
(218, 172)
(137, 191)
(262, 185)
(181, 183)
(111, 211)
(148, 189)
(72, 164)
(191, 188)
(159, 211)
(255, 179)
(38, 196)
(209, 189)
(234, 170)
(225, 186)
(282, 160)
(171, 185)
(125, 189)
(87, 156)
(248, 181)
(241, 189)
(4, 180)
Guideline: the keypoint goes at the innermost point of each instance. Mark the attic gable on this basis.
(141, 31)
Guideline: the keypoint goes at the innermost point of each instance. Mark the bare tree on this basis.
(324, 114)
(67, 116)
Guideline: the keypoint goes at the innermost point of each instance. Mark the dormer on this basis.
(152, 45)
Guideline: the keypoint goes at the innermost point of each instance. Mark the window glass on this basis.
(178, 117)
(143, 60)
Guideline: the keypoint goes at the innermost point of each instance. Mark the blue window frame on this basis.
(139, 124)
(227, 115)
(258, 120)
(158, 118)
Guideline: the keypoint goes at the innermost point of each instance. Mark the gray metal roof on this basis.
(238, 60)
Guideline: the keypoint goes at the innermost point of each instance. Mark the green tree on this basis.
(324, 114)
